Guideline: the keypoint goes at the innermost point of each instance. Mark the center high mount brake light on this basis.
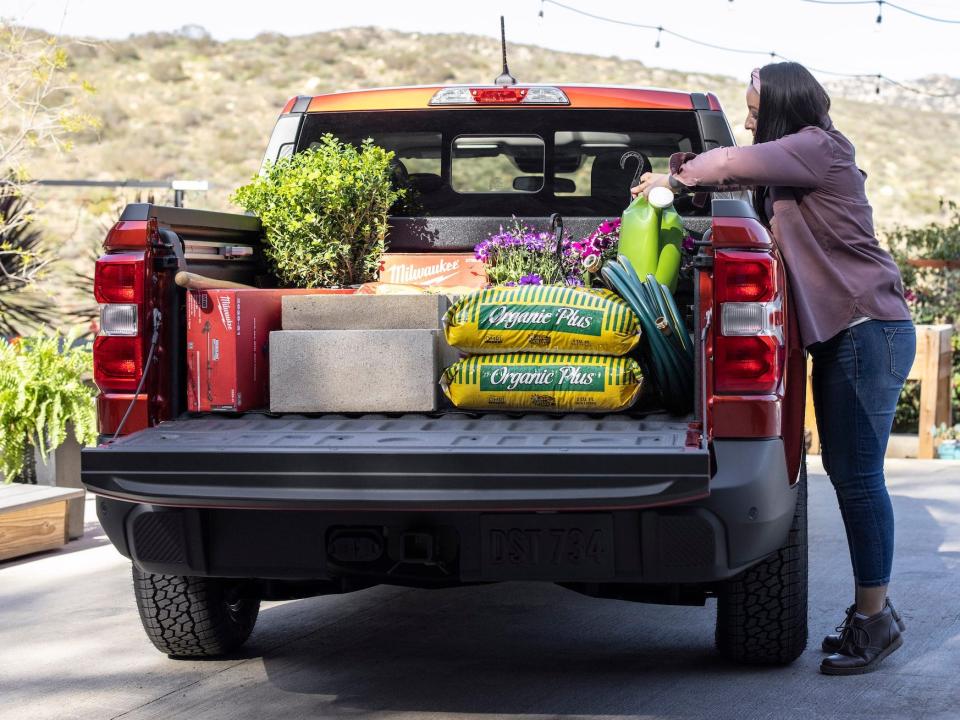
(512, 95)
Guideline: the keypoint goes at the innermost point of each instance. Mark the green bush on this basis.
(933, 295)
(933, 241)
(324, 212)
(168, 70)
(43, 390)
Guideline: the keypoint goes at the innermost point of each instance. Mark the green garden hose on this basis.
(667, 349)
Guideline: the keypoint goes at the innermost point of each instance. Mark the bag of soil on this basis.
(538, 381)
(543, 319)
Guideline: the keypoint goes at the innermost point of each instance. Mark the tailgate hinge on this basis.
(703, 262)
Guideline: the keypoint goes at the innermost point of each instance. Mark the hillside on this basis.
(185, 106)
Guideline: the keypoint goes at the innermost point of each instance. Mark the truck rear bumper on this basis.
(698, 540)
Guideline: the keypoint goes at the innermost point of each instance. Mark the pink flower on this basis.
(609, 226)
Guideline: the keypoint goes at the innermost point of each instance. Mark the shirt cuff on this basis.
(677, 161)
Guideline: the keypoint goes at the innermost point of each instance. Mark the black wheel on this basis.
(193, 616)
(762, 613)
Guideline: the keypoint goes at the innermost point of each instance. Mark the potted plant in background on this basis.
(45, 398)
(324, 213)
(948, 447)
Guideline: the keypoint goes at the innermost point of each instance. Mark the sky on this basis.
(843, 38)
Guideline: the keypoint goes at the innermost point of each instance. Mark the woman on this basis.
(853, 319)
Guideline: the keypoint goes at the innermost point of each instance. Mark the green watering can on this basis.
(651, 234)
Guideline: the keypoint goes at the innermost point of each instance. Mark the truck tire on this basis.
(762, 612)
(193, 616)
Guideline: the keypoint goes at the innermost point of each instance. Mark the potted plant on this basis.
(949, 441)
(520, 255)
(324, 213)
(44, 395)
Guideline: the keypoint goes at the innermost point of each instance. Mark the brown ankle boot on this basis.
(866, 642)
(832, 642)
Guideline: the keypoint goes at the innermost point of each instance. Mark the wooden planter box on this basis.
(935, 264)
(33, 518)
(62, 469)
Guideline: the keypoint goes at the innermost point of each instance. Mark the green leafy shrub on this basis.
(933, 241)
(168, 70)
(324, 212)
(933, 295)
(43, 390)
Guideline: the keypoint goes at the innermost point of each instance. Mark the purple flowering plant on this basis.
(522, 256)
(519, 255)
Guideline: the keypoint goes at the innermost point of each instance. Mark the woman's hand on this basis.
(648, 181)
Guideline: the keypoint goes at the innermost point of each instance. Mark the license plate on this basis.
(547, 547)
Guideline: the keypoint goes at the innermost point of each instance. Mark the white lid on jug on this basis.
(660, 197)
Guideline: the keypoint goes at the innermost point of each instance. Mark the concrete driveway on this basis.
(71, 644)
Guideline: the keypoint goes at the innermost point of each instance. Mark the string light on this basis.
(659, 32)
(881, 3)
(772, 54)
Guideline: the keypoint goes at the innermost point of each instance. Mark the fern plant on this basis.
(43, 390)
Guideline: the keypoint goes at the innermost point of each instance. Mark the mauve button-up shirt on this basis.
(821, 221)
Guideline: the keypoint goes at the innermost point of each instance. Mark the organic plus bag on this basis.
(542, 318)
(557, 383)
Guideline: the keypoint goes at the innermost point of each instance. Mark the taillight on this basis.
(117, 363)
(118, 351)
(749, 344)
(119, 278)
(746, 277)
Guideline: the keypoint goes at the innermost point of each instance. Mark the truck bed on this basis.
(449, 461)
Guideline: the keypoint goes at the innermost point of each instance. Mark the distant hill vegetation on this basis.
(182, 105)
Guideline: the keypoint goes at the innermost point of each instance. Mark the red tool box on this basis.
(228, 336)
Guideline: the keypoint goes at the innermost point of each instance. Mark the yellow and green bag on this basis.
(537, 381)
(542, 318)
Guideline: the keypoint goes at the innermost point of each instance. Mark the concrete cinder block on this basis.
(364, 312)
(355, 370)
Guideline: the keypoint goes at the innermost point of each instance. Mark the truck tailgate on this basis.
(452, 461)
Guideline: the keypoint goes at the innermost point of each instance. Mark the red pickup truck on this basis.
(220, 511)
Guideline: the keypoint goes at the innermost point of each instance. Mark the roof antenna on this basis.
(504, 78)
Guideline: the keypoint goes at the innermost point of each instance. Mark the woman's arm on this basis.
(798, 160)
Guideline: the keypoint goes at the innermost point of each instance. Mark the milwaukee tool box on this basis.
(228, 334)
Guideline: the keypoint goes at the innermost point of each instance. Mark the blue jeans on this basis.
(857, 378)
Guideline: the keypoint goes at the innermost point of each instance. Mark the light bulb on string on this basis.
(877, 88)
(879, 23)
(656, 45)
(729, 6)
(540, 14)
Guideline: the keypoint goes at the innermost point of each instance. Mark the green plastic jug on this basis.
(651, 234)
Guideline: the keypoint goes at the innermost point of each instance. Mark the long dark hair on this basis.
(790, 100)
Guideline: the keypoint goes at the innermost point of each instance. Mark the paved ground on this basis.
(71, 644)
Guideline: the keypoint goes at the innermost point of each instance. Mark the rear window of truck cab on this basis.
(514, 161)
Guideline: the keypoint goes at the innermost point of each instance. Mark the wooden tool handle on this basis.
(192, 281)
